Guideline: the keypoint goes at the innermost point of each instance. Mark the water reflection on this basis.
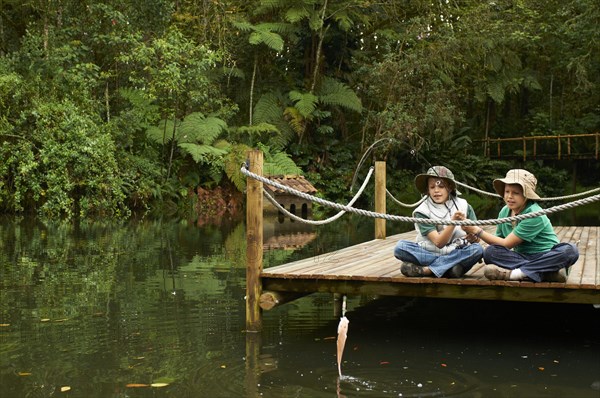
(109, 310)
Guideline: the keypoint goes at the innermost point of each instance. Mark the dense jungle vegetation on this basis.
(109, 107)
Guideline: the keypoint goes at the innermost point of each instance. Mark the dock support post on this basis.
(380, 186)
(254, 241)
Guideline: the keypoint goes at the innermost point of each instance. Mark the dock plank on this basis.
(370, 268)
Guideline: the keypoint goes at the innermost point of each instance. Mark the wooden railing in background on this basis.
(560, 154)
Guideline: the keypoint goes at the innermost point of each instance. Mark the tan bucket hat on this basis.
(518, 176)
(437, 172)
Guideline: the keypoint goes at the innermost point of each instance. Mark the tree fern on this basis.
(272, 40)
(268, 108)
(264, 33)
(335, 93)
(295, 119)
(162, 133)
(197, 128)
(305, 103)
(202, 153)
(280, 163)
(233, 162)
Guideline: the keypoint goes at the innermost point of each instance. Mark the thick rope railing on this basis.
(575, 195)
(327, 220)
(494, 194)
(389, 217)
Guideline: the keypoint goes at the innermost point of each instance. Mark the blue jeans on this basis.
(533, 265)
(411, 252)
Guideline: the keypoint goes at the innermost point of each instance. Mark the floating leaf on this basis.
(136, 385)
(164, 379)
(3, 325)
(158, 385)
(24, 374)
(65, 389)
(45, 320)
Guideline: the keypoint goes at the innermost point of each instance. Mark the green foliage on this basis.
(62, 165)
(159, 86)
(336, 93)
(197, 127)
(305, 103)
(279, 163)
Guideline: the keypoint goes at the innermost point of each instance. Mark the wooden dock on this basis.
(371, 268)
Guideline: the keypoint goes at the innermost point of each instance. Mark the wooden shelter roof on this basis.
(296, 182)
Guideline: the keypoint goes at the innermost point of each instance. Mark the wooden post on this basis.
(524, 149)
(380, 186)
(254, 241)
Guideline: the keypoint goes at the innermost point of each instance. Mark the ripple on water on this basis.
(369, 382)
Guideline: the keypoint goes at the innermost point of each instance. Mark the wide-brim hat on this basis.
(521, 177)
(436, 172)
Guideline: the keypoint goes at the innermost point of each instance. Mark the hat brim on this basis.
(500, 183)
(421, 183)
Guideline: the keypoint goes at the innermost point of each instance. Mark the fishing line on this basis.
(364, 156)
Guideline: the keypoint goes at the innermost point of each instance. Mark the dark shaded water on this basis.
(156, 309)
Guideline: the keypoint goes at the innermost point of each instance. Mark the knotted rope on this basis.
(390, 217)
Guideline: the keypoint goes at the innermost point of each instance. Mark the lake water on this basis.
(156, 309)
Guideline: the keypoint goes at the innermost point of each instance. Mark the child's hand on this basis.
(470, 229)
(458, 216)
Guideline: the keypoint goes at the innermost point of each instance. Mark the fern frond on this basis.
(244, 26)
(197, 128)
(162, 133)
(257, 129)
(222, 144)
(201, 153)
(272, 40)
(233, 162)
(295, 119)
(233, 72)
(296, 14)
(281, 163)
(335, 93)
(268, 108)
(305, 103)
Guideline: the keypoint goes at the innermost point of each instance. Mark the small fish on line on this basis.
(341, 341)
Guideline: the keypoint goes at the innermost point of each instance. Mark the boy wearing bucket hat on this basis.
(439, 250)
(528, 248)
